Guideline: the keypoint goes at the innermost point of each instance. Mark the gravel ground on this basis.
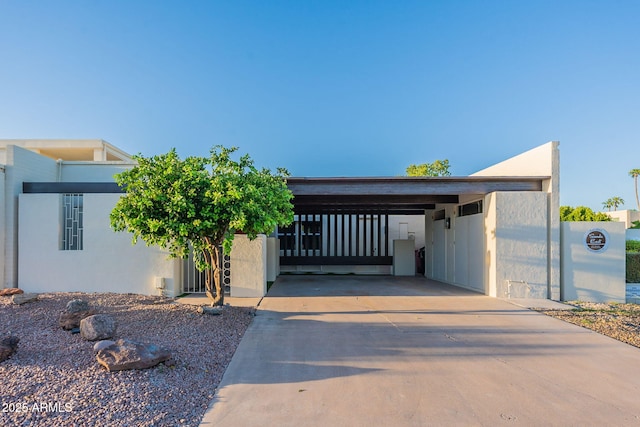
(54, 379)
(618, 321)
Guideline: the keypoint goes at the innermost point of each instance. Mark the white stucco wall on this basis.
(593, 276)
(535, 162)
(107, 263)
(249, 266)
(21, 166)
(414, 225)
(516, 239)
(2, 227)
(440, 245)
(469, 252)
(626, 216)
(404, 259)
(92, 171)
(540, 161)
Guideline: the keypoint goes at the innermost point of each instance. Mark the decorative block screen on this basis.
(72, 216)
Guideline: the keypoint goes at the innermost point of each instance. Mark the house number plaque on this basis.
(596, 240)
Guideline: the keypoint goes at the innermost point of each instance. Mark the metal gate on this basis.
(340, 238)
(193, 281)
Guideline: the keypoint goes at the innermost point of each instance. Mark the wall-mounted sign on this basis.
(596, 240)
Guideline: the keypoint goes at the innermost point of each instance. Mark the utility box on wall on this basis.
(592, 261)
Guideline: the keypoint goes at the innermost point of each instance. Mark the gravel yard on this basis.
(53, 379)
(618, 321)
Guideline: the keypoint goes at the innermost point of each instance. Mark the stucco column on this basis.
(249, 266)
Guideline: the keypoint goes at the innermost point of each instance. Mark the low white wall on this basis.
(587, 275)
(249, 266)
(339, 269)
(107, 263)
(516, 239)
(632, 234)
(404, 257)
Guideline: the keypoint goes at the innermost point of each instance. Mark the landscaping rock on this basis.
(68, 321)
(213, 311)
(8, 345)
(77, 305)
(101, 345)
(125, 355)
(10, 291)
(97, 327)
(23, 298)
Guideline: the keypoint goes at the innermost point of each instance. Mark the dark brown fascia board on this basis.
(412, 185)
(71, 187)
(378, 199)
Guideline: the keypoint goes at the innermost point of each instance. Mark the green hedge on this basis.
(633, 267)
(633, 245)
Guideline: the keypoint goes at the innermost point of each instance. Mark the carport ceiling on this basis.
(396, 195)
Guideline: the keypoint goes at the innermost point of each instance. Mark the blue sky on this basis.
(336, 88)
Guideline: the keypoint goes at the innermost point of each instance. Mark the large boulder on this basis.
(97, 327)
(8, 345)
(126, 354)
(77, 305)
(75, 311)
(68, 321)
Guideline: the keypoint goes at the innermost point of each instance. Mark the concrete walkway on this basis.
(387, 351)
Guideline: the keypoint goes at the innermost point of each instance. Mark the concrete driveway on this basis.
(389, 351)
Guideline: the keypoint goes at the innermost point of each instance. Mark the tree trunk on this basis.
(212, 275)
(635, 181)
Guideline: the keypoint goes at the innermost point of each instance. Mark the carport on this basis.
(344, 221)
(496, 232)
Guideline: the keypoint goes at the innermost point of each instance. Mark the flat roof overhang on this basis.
(397, 195)
(390, 195)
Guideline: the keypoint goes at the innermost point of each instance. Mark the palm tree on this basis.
(607, 204)
(634, 173)
(616, 201)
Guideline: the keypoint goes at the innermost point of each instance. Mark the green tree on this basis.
(198, 204)
(608, 204)
(437, 168)
(634, 173)
(581, 213)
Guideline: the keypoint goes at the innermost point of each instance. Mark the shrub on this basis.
(633, 267)
(581, 213)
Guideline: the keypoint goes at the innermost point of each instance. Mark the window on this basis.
(470, 208)
(72, 213)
